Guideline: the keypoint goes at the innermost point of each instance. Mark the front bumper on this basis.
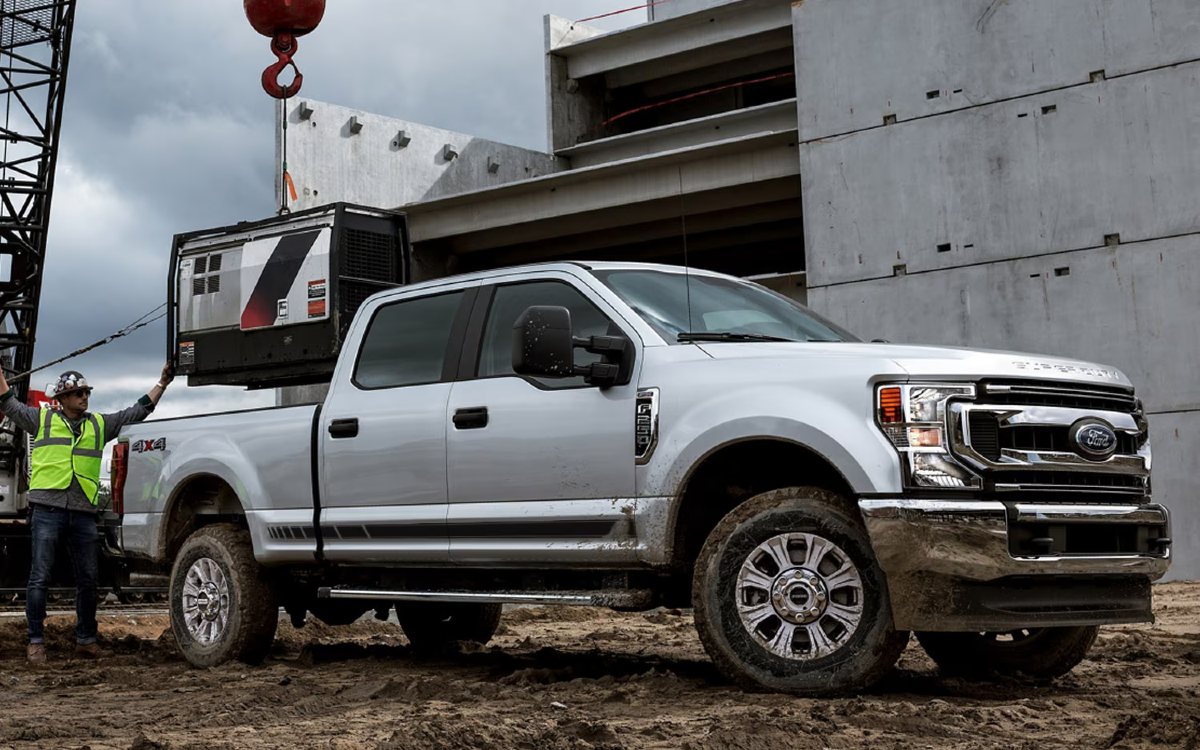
(979, 565)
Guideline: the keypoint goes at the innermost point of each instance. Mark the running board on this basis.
(617, 598)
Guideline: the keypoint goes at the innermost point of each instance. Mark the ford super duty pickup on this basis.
(635, 436)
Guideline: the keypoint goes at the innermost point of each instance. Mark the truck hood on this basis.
(932, 362)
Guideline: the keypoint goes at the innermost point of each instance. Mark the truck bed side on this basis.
(254, 462)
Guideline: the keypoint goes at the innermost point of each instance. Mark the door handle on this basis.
(343, 428)
(471, 419)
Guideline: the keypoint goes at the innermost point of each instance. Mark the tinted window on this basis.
(675, 304)
(406, 342)
(495, 358)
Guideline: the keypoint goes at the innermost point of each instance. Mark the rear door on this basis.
(383, 429)
(539, 469)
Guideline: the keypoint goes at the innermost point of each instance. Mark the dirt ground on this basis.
(577, 678)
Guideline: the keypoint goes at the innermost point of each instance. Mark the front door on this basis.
(540, 470)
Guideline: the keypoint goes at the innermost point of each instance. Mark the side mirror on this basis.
(542, 343)
(543, 346)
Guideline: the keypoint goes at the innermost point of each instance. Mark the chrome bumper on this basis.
(938, 555)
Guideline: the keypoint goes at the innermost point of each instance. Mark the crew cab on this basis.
(635, 436)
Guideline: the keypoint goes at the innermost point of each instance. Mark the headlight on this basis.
(913, 416)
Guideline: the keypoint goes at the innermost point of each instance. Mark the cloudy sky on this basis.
(167, 130)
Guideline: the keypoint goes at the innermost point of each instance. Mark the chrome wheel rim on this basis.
(206, 601)
(800, 596)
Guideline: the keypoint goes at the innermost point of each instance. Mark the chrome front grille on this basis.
(1016, 435)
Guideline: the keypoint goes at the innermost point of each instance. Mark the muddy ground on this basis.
(577, 678)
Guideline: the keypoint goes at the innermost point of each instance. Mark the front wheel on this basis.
(222, 607)
(1041, 653)
(788, 596)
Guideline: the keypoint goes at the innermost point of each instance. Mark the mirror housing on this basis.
(542, 343)
(543, 346)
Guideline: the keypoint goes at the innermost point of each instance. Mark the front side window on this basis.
(406, 342)
(495, 358)
(679, 307)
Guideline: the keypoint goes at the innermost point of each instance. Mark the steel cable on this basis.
(141, 322)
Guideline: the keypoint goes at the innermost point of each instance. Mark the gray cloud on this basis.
(167, 130)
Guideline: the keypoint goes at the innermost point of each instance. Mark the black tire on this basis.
(249, 607)
(436, 626)
(1041, 653)
(857, 656)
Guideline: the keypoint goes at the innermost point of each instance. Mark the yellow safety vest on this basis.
(58, 456)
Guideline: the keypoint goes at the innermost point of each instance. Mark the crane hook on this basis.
(284, 45)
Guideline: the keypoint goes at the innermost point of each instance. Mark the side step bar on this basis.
(617, 598)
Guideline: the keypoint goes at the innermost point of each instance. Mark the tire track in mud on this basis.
(579, 678)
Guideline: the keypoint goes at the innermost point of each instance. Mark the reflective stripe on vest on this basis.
(58, 456)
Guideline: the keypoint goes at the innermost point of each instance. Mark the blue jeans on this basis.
(49, 527)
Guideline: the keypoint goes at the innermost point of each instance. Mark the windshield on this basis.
(721, 309)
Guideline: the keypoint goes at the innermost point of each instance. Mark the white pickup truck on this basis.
(636, 436)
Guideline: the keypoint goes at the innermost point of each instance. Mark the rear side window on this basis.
(495, 358)
(406, 342)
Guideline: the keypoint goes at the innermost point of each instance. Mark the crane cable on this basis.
(158, 313)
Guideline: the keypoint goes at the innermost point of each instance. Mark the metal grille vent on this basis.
(1061, 480)
(1054, 439)
(368, 255)
(202, 281)
(1048, 393)
(985, 435)
(353, 294)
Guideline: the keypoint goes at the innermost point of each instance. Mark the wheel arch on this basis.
(732, 472)
(199, 500)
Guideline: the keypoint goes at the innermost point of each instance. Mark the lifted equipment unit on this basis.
(267, 304)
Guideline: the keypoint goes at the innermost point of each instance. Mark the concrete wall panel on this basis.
(1055, 171)
(860, 61)
(328, 162)
(1176, 442)
(1134, 306)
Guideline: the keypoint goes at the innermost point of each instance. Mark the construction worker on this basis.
(68, 443)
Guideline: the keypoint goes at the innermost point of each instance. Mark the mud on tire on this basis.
(1040, 653)
(788, 596)
(222, 607)
(434, 626)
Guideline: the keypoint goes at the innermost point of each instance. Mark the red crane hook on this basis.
(283, 21)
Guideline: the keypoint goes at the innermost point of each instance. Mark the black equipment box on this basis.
(267, 304)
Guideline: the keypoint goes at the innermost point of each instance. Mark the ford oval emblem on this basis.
(1094, 440)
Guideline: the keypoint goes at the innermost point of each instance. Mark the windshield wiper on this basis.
(727, 336)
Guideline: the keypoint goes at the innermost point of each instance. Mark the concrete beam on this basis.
(688, 34)
(737, 162)
(776, 117)
(766, 203)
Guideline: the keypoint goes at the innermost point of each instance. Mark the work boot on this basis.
(89, 651)
(35, 653)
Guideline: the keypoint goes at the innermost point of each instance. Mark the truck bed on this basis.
(264, 455)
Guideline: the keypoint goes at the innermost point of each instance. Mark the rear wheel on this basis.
(433, 626)
(788, 596)
(222, 607)
(1042, 653)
